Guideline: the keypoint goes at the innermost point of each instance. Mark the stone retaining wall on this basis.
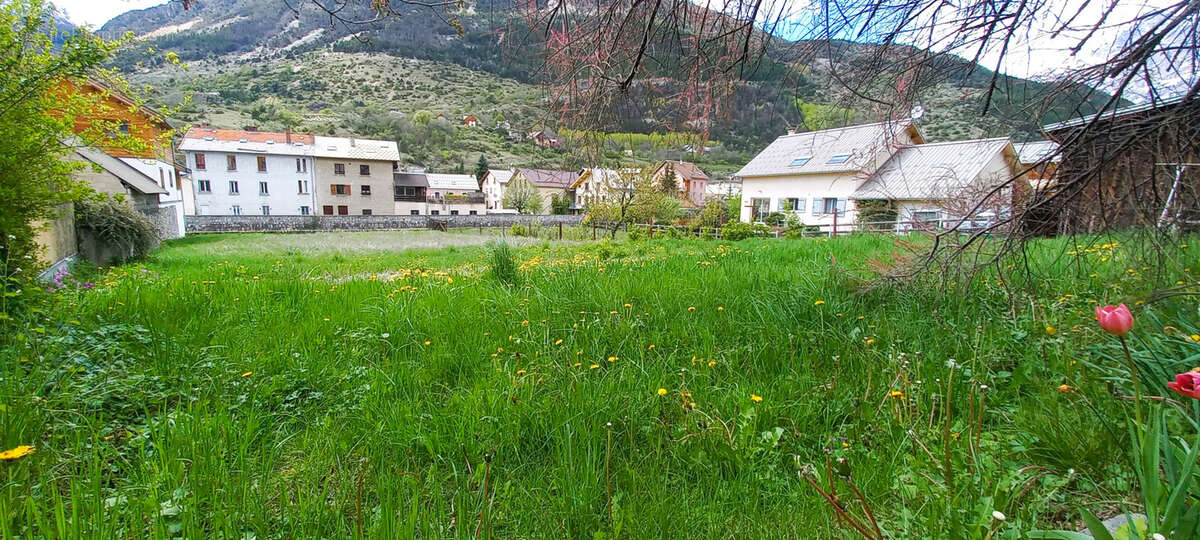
(223, 224)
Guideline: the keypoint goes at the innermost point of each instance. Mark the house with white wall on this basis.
(454, 194)
(493, 184)
(237, 172)
(820, 176)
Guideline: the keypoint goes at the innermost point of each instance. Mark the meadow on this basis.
(251, 387)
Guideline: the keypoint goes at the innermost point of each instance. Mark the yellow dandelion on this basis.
(1196, 338)
(819, 303)
(612, 359)
(662, 391)
(1064, 388)
(896, 394)
(651, 348)
(577, 364)
(712, 363)
(1050, 331)
(520, 372)
(691, 308)
(524, 323)
(870, 341)
(248, 373)
(720, 308)
(14, 453)
(594, 366)
(427, 342)
(627, 306)
(558, 342)
(756, 398)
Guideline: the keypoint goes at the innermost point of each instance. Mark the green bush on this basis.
(518, 229)
(736, 230)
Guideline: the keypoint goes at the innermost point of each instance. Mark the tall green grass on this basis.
(220, 391)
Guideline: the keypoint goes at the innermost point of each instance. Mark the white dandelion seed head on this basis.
(385, 335)
(998, 515)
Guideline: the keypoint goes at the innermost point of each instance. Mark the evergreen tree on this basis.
(481, 167)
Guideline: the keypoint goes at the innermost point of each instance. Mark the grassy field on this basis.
(334, 385)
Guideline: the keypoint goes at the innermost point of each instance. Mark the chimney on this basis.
(287, 135)
(791, 131)
(352, 142)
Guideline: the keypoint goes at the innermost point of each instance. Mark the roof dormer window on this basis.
(838, 158)
(800, 161)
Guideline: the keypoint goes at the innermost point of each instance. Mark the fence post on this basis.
(560, 230)
(593, 231)
(835, 215)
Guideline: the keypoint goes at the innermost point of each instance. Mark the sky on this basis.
(95, 13)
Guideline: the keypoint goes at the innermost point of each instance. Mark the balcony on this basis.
(453, 198)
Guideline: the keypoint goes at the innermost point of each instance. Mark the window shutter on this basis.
(841, 206)
(333, 189)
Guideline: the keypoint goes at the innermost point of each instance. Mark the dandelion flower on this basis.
(720, 308)
(651, 348)
(756, 398)
(870, 341)
(1064, 388)
(896, 394)
(577, 364)
(558, 342)
(594, 366)
(520, 372)
(1050, 331)
(712, 363)
(1195, 337)
(819, 303)
(662, 391)
(427, 342)
(691, 308)
(14, 453)
(612, 359)
(248, 373)
(627, 306)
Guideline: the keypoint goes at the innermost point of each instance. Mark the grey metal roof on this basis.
(132, 177)
(410, 179)
(545, 178)
(453, 182)
(862, 143)
(501, 175)
(1037, 151)
(931, 171)
(352, 148)
(1115, 113)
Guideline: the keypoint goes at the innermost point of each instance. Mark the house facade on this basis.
(409, 193)
(237, 172)
(690, 180)
(548, 183)
(493, 185)
(820, 177)
(454, 194)
(354, 176)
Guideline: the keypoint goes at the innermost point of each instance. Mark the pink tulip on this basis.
(1187, 384)
(1116, 320)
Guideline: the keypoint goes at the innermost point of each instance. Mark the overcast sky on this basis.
(95, 13)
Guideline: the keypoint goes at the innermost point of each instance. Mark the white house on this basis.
(235, 172)
(820, 176)
(172, 201)
(454, 194)
(493, 185)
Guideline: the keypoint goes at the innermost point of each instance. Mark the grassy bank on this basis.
(233, 386)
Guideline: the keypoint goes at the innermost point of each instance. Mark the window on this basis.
(435, 213)
(800, 204)
(366, 211)
(304, 210)
(237, 210)
(302, 186)
(800, 161)
(266, 210)
(200, 162)
(262, 188)
(474, 212)
(454, 212)
(339, 169)
(364, 170)
(174, 179)
(343, 210)
(366, 190)
(789, 205)
(204, 186)
(414, 212)
(233, 187)
(301, 165)
(339, 189)
(838, 158)
(327, 210)
(231, 162)
(162, 178)
(124, 128)
(927, 216)
(262, 163)
(816, 206)
(833, 206)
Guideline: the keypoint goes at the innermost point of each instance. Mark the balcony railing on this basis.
(410, 198)
(473, 198)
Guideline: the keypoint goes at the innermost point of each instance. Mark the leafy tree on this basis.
(559, 204)
(39, 122)
(668, 182)
(714, 214)
(422, 118)
(523, 197)
(481, 168)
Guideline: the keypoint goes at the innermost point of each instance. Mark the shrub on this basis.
(518, 229)
(122, 230)
(736, 230)
(502, 263)
(774, 219)
(559, 204)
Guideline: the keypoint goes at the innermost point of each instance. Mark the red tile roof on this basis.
(217, 134)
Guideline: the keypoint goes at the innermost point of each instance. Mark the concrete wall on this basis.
(217, 224)
(57, 237)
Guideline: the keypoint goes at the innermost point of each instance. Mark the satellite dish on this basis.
(916, 113)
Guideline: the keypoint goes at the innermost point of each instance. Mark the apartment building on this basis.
(354, 176)
(259, 173)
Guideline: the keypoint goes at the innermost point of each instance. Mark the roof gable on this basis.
(934, 171)
(132, 177)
